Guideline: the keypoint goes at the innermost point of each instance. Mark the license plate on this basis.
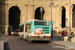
(41, 37)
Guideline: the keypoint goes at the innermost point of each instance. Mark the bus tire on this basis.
(28, 39)
(25, 39)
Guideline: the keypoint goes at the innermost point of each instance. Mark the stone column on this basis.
(30, 12)
(66, 20)
(6, 20)
(2, 15)
(21, 18)
(71, 18)
(6, 23)
(26, 11)
(60, 20)
(2, 18)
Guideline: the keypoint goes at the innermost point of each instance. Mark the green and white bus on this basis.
(35, 30)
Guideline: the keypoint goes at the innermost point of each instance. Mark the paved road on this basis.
(14, 43)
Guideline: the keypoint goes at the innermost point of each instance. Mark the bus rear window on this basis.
(40, 23)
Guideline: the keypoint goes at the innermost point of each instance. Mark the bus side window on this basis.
(21, 29)
(28, 28)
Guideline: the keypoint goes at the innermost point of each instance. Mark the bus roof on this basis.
(32, 20)
(35, 20)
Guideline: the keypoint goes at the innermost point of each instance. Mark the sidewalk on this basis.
(1, 42)
(66, 44)
(1, 45)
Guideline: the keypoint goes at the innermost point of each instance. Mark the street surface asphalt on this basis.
(15, 43)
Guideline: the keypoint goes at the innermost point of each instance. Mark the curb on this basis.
(1, 45)
(62, 46)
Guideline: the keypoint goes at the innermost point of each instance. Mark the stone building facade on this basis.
(62, 11)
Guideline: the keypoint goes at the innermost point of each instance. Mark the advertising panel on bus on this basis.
(38, 30)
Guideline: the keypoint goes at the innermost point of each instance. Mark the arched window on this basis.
(73, 17)
(39, 14)
(14, 17)
(63, 16)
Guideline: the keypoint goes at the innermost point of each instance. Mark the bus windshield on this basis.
(41, 23)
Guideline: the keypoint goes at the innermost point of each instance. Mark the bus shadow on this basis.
(41, 42)
(6, 46)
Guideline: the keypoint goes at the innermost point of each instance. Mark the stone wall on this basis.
(28, 7)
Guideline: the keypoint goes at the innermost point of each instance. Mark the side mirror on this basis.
(52, 22)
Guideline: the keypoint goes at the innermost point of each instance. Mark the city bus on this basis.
(35, 30)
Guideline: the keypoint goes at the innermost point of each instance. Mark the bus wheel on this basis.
(28, 39)
(23, 37)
